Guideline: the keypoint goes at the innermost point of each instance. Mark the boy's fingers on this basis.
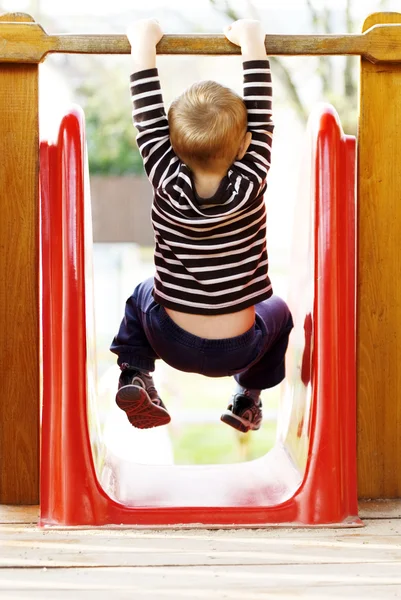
(230, 33)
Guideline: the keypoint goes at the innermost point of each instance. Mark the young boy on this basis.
(209, 308)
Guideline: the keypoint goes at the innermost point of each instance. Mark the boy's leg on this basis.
(131, 343)
(269, 370)
(136, 394)
(275, 322)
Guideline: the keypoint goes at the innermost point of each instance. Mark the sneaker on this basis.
(244, 413)
(138, 398)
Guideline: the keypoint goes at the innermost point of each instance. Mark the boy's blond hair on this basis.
(207, 125)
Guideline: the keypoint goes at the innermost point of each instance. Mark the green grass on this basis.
(213, 441)
(217, 443)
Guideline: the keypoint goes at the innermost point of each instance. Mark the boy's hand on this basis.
(144, 35)
(144, 31)
(250, 36)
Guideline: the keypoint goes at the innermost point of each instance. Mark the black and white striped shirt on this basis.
(210, 255)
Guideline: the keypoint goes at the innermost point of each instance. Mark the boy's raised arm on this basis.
(149, 115)
(143, 36)
(250, 36)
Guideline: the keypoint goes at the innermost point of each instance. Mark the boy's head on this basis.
(208, 124)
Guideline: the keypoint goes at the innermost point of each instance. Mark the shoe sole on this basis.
(240, 424)
(142, 413)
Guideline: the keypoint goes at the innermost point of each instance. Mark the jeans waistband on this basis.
(184, 337)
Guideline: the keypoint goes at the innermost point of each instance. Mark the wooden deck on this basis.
(201, 564)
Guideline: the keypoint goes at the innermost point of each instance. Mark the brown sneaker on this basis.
(138, 398)
(244, 413)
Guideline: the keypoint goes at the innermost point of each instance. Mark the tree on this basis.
(339, 89)
(112, 148)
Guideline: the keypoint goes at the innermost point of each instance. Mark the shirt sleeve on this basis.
(258, 101)
(150, 119)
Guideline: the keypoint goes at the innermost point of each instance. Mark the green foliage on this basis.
(111, 141)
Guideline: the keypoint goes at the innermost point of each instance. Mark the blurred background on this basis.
(121, 195)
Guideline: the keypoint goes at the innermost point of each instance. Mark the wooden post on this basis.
(379, 277)
(19, 287)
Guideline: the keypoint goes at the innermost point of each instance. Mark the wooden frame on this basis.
(24, 45)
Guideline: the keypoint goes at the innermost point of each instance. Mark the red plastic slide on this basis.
(309, 477)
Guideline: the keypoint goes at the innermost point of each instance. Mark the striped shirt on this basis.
(210, 254)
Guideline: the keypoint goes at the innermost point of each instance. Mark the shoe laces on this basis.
(145, 381)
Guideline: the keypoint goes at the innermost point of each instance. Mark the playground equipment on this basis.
(378, 301)
(309, 477)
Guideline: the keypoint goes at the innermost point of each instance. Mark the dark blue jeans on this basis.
(255, 358)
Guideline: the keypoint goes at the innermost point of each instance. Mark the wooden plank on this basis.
(19, 514)
(19, 304)
(207, 582)
(379, 284)
(30, 547)
(62, 553)
(380, 509)
(28, 42)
